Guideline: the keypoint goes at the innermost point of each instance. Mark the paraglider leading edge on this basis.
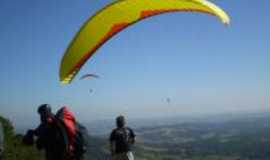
(112, 19)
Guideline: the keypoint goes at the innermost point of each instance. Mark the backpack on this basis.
(81, 140)
(75, 134)
(122, 137)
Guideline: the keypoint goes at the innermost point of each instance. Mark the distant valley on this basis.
(232, 138)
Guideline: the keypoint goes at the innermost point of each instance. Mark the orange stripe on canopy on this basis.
(117, 16)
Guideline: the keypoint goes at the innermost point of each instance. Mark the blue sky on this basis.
(203, 66)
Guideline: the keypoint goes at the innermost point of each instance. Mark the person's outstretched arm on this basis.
(132, 138)
(112, 143)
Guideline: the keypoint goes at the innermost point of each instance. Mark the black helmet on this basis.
(120, 121)
(44, 108)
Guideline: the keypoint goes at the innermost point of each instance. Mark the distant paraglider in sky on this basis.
(91, 90)
(89, 76)
(168, 100)
(117, 16)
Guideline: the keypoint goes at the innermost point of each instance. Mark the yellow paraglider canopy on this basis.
(117, 16)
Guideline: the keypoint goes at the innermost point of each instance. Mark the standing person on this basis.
(60, 135)
(1, 141)
(49, 135)
(121, 140)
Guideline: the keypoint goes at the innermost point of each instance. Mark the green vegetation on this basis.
(13, 148)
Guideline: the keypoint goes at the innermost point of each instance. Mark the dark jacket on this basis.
(121, 140)
(51, 138)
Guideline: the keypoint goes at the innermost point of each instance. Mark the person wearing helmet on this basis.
(121, 140)
(49, 135)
